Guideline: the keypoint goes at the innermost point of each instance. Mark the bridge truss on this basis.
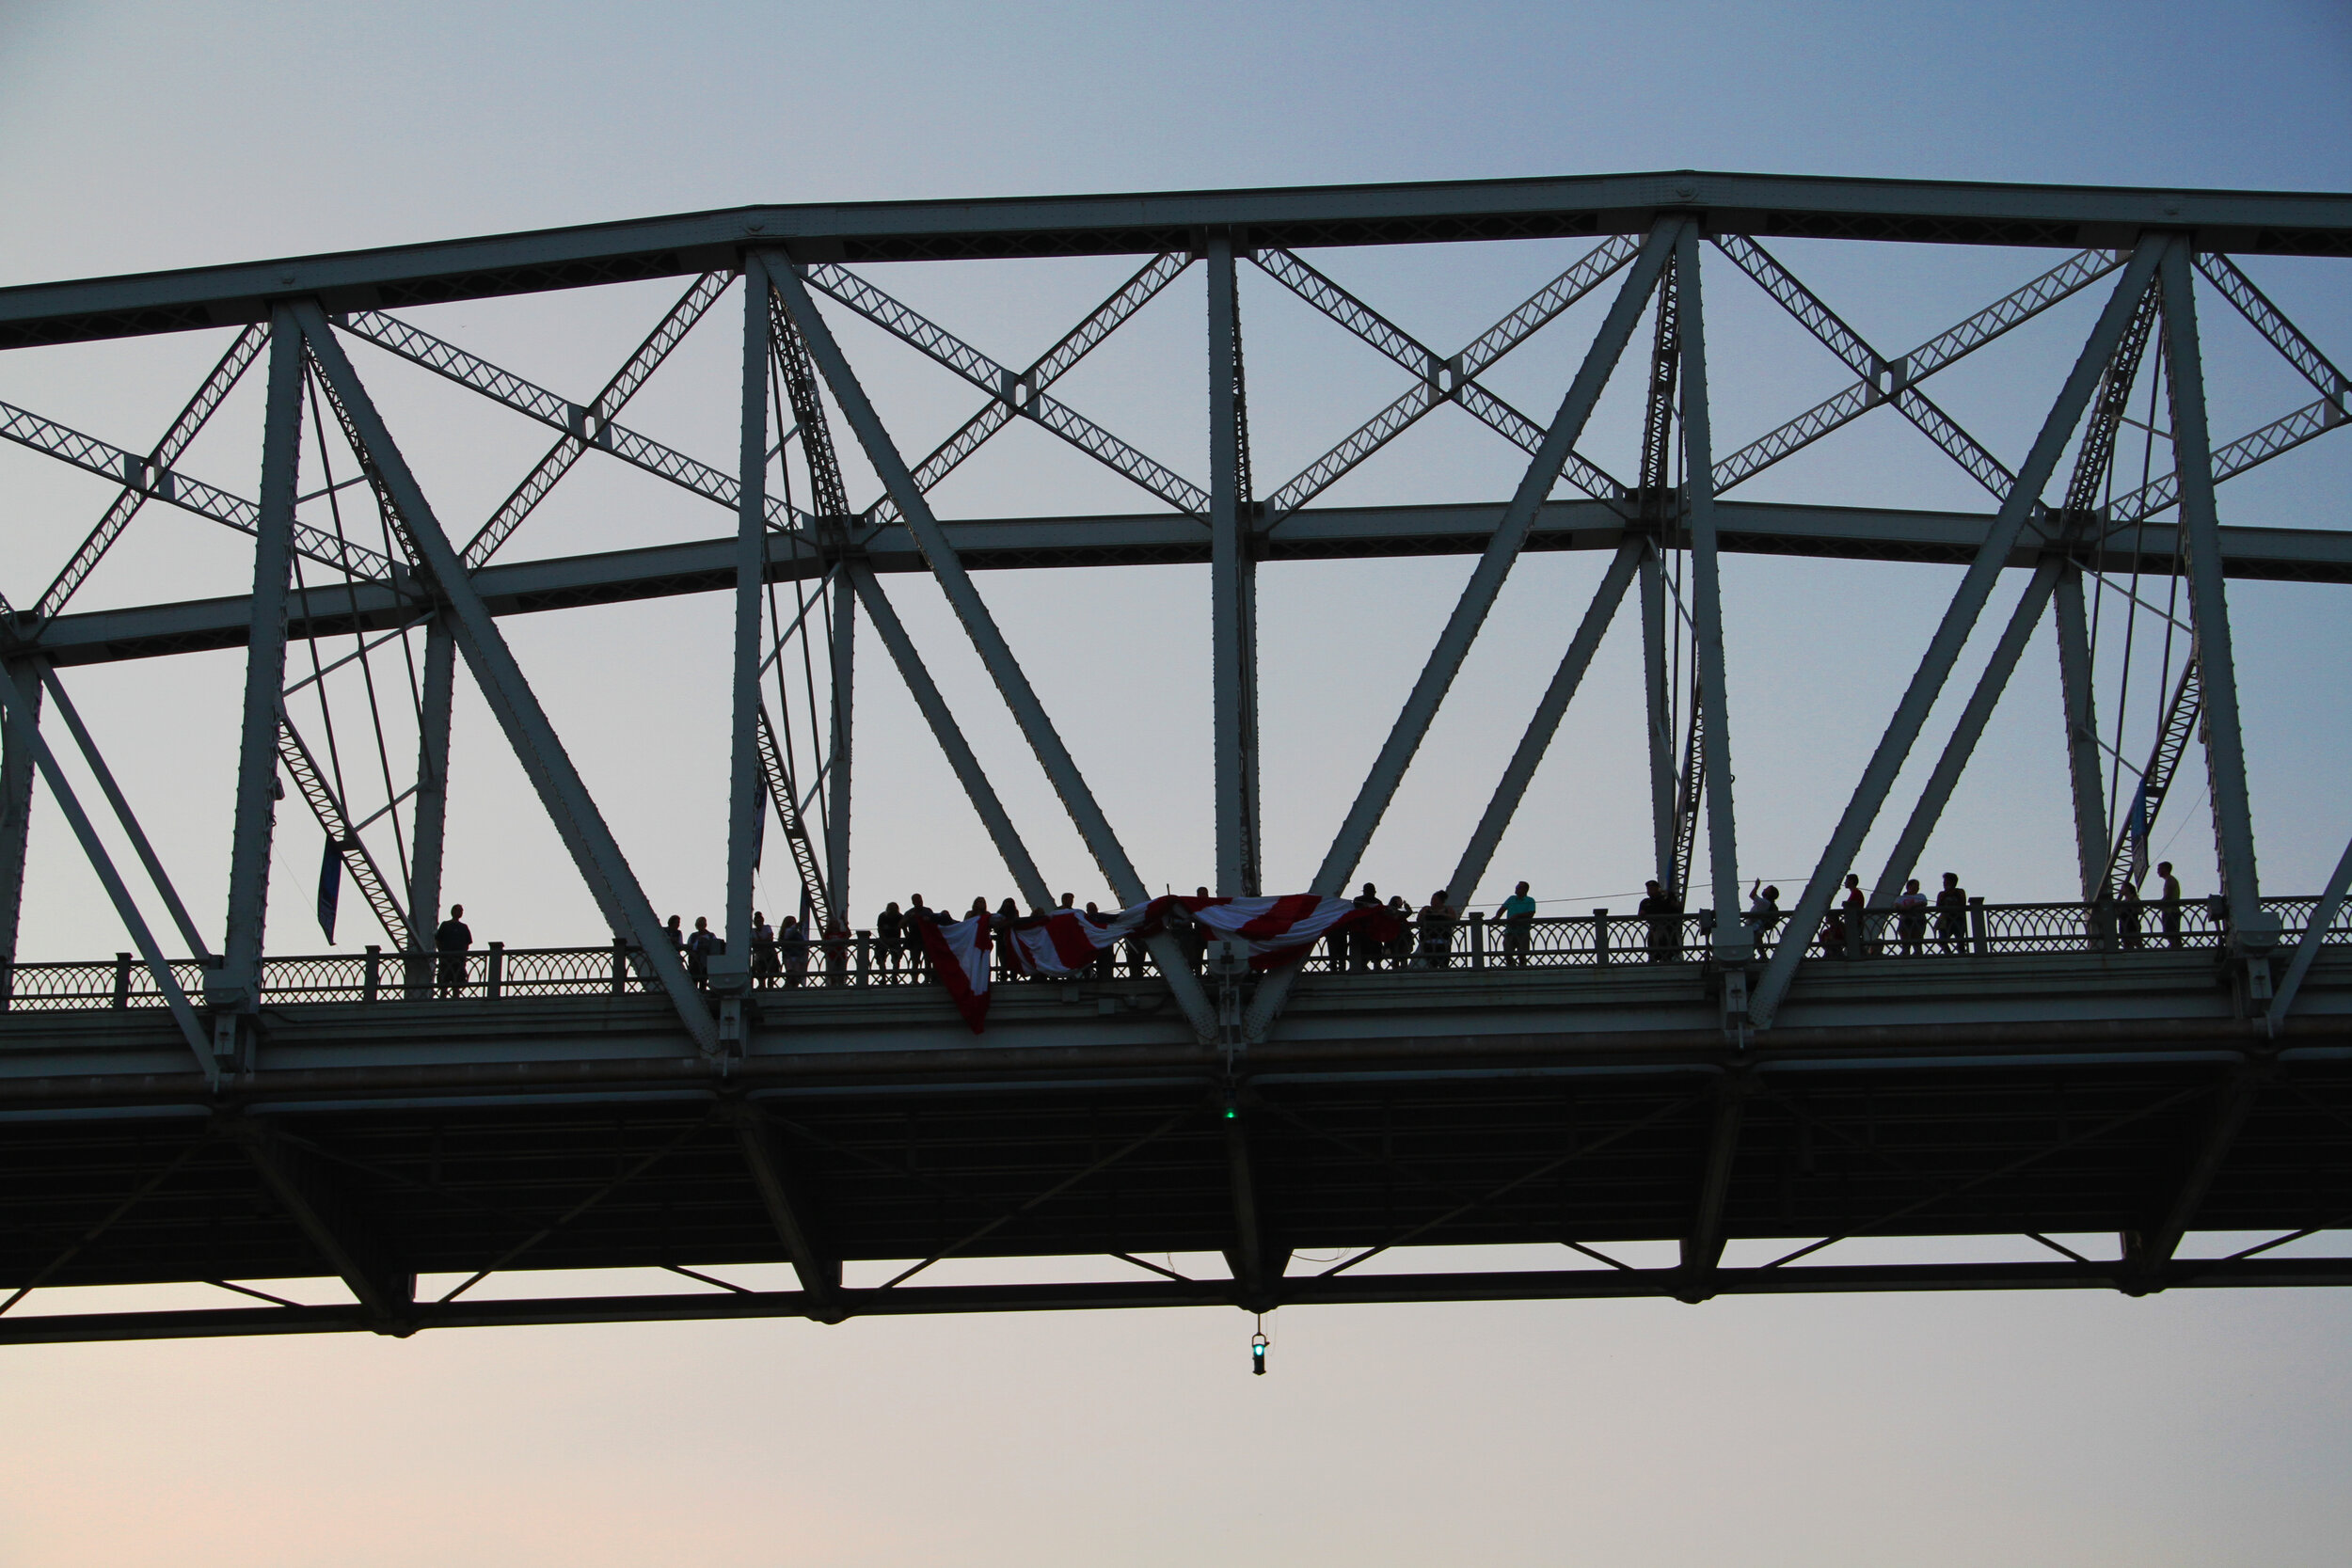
(1744, 1092)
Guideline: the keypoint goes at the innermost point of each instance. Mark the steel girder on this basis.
(1931, 211)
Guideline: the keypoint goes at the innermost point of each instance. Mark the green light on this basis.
(1232, 1113)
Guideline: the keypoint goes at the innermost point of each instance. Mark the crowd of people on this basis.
(1412, 937)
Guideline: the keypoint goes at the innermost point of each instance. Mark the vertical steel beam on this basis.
(950, 736)
(240, 975)
(2225, 743)
(1012, 683)
(1904, 859)
(1707, 604)
(2082, 733)
(1952, 635)
(1480, 852)
(837, 773)
(562, 794)
(431, 819)
(16, 802)
(1232, 634)
(745, 792)
(1663, 816)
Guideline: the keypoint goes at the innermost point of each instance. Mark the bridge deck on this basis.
(1976, 1096)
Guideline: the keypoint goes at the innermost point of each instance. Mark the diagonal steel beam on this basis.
(1875, 370)
(1712, 699)
(332, 1218)
(445, 358)
(1590, 271)
(2219, 1135)
(1478, 596)
(789, 1211)
(974, 1237)
(95, 761)
(1904, 858)
(1504, 803)
(1703, 1244)
(2281, 435)
(1443, 377)
(1048, 367)
(216, 386)
(1502, 552)
(2272, 324)
(2315, 931)
(2216, 663)
(667, 334)
(1952, 635)
(1061, 770)
(1947, 348)
(295, 755)
(949, 735)
(562, 794)
(92, 456)
(945, 348)
(16, 709)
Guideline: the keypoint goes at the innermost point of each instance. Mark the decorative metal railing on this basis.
(862, 960)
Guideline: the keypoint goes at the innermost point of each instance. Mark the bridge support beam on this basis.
(1256, 1266)
(2147, 1265)
(431, 819)
(1707, 606)
(746, 788)
(1478, 595)
(837, 773)
(787, 1201)
(948, 733)
(562, 794)
(1480, 852)
(16, 805)
(1952, 635)
(1703, 1244)
(2314, 934)
(1655, 703)
(1232, 592)
(1904, 859)
(2225, 744)
(2082, 732)
(336, 1223)
(1061, 768)
(239, 985)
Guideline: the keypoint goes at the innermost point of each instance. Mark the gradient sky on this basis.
(1955, 1430)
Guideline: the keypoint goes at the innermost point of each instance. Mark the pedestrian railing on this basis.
(1598, 941)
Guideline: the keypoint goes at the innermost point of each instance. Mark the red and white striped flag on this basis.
(959, 956)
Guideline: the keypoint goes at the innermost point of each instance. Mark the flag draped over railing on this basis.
(1064, 942)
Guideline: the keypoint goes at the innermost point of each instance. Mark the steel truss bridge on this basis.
(201, 1112)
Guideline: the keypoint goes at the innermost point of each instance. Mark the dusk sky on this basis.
(2183, 1429)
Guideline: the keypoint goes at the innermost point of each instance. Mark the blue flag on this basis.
(331, 889)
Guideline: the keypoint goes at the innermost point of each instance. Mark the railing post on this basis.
(376, 959)
(1478, 939)
(1976, 927)
(865, 958)
(1601, 937)
(620, 965)
(494, 972)
(122, 979)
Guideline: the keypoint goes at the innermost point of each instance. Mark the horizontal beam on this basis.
(707, 566)
(1588, 1284)
(1934, 212)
